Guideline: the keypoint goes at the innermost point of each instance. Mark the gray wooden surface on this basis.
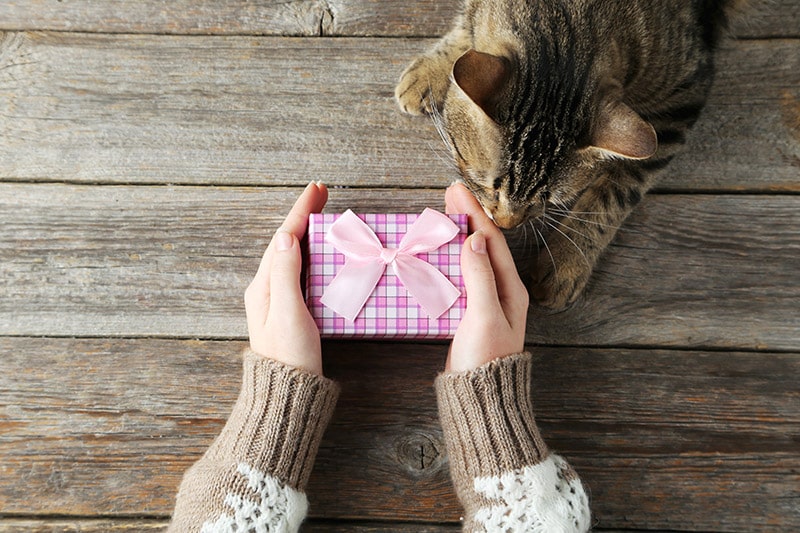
(721, 270)
(147, 152)
(280, 111)
(767, 18)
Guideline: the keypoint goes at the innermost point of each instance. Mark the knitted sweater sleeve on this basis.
(504, 475)
(253, 476)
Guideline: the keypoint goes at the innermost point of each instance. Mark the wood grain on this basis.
(677, 440)
(691, 270)
(81, 526)
(150, 149)
(309, 526)
(720, 271)
(279, 111)
(766, 18)
(136, 526)
(759, 149)
(153, 526)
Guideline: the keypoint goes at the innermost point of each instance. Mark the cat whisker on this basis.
(444, 156)
(567, 211)
(538, 236)
(585, 220)
(570, 240)
(561, 207)
(544, 241)
(612, 227)
(439, 126)
(525, 237)
(438, 123)
(524, 230)
(565, 226)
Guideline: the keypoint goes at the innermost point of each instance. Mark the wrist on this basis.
(304, 354)
(478, 354)
(296, 405)
(488, 419)
(308, 365)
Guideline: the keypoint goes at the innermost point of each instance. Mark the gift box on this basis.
(389, 276)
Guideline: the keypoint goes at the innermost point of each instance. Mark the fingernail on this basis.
(478, 243)
(283, 241)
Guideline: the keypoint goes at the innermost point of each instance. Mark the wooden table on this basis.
(149, 149)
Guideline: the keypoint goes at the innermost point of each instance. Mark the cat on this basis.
(560, 114)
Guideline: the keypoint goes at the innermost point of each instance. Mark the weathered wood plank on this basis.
(81, 526)
(310, 526)
(766, 18)
(692, 271)
(239, 110)
(198, 110)
(726, 142)
(663, 439)
(135, 526)
(687, 270)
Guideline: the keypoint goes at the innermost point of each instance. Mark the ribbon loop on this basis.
(367, 259)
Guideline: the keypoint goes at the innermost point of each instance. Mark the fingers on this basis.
(458, 199)
(257, 295)
(479, 277)
(284, 278)
(312, 200)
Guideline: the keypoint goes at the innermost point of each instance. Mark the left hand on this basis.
(278, 321)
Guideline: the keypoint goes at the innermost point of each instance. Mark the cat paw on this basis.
(557, 281)
(422, 87)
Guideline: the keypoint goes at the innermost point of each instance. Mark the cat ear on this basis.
(482, 77)
(622, 132)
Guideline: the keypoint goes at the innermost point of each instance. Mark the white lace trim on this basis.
(276, 508)
(536, 499)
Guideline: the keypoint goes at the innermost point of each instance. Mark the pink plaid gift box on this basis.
(389, 312)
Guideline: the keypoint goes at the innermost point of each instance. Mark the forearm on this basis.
(504, 475)
(257, 469)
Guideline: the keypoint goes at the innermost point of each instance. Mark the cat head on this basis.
(527, 134)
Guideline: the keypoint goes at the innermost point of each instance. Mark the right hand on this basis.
(497, 301)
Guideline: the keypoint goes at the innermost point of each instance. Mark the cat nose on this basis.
(508, 219)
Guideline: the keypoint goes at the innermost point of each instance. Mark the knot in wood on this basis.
(419, 452)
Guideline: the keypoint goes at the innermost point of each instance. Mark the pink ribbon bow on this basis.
(366, 261)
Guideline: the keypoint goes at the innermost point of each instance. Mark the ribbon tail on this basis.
(426, 284)
(352, 286)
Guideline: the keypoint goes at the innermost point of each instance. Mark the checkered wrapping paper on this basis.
(390, 312)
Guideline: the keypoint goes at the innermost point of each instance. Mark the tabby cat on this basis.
(561, 113)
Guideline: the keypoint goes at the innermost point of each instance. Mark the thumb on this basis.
(284, 284)
(479, 278)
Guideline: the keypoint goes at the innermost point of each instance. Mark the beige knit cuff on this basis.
(487, 418)
(278, 421)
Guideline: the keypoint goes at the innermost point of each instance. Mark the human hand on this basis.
(497, 301)
(278, 321)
